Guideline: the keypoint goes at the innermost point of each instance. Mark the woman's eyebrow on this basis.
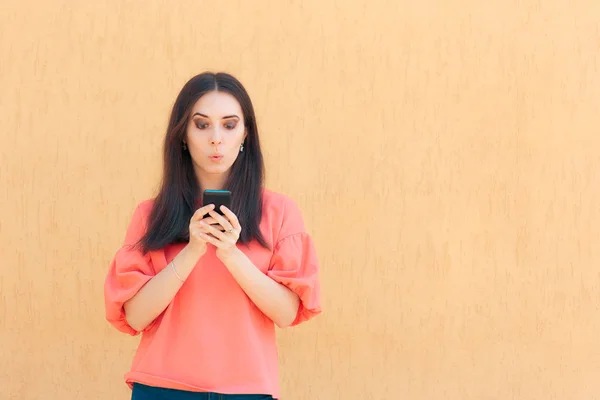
(225, 117)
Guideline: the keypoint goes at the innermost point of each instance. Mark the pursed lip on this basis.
(216, 156)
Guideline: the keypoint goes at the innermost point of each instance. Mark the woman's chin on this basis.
(215, 169)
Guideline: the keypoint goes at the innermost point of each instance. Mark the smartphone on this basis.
(218, 198)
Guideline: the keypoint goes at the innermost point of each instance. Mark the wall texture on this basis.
(445, 156)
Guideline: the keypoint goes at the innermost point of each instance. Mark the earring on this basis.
(184, 146)
(242, 148)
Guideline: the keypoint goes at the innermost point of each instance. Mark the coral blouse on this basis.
(212, 337)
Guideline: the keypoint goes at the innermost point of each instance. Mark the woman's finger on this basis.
(213, 230)
(210, 220)
(213, 222)
(227, 226)
(210, 239)
(196, 229)
(217, 238)
(201, 212)
(232, 219)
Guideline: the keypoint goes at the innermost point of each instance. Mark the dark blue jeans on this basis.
(144, 392)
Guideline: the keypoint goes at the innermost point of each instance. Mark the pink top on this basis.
(211, 337)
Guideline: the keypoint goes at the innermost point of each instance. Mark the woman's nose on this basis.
(216, 137)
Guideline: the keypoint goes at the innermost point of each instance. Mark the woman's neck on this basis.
(212, 181)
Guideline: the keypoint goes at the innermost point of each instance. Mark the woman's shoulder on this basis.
(282, 210)
(142, 211)
(273, 200)
(145, 206)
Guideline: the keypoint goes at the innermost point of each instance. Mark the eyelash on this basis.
(201, 125)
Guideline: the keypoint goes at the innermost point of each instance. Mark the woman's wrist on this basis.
(230, 255)
(194, 250)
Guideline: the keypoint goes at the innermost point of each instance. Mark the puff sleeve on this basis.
(129, 270)
(294, 264)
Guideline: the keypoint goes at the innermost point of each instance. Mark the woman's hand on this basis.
(221, 231)
(197, 238)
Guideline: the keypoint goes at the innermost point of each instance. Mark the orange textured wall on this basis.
(445, 156)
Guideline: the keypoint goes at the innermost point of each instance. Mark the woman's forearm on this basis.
(275, 300)
(154, 297)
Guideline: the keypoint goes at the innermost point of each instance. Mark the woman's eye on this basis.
(230, 125)
(201, 125)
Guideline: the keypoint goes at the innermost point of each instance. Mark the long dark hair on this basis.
(180, 191)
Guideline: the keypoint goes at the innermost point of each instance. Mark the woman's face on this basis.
(214, 135)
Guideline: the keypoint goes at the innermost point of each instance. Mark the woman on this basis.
(206, 290)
